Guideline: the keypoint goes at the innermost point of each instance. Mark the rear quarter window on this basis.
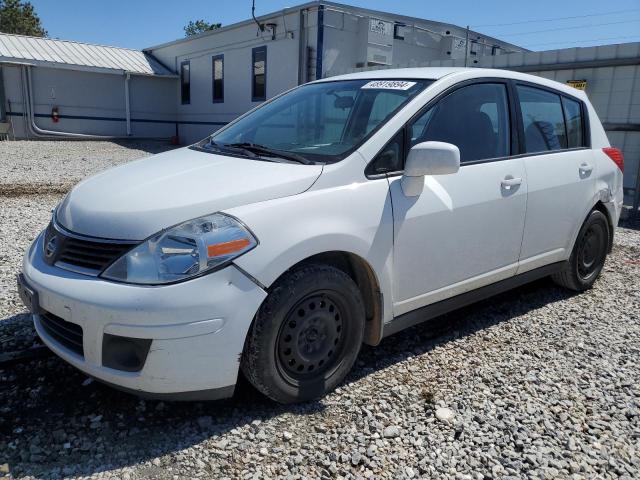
(575, 123)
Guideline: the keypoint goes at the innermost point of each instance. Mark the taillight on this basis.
(616, 155)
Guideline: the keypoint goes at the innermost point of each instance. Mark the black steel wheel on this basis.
(588, 255)
(311, 336)
(306, 335)
(592, 249)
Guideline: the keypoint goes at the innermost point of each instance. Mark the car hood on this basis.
(138, 199)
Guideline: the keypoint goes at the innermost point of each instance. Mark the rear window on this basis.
(543, 120)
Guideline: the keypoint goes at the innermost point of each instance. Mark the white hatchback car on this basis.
(337, 213)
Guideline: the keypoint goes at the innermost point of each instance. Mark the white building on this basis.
(49, 86)
(192, 86)
(228, 71)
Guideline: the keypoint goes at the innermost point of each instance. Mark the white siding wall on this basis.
(236, 45)
(101, 95)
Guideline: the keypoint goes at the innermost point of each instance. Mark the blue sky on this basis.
(144, 23)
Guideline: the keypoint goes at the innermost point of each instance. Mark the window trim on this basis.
(513, 127)
(254, 98)
(182, 100)
(396, 27)
(213, 78)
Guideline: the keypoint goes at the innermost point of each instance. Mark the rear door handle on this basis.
(586, 168)
(510, 182)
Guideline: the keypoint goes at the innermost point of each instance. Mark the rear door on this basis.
(560, 173)
(464, 230)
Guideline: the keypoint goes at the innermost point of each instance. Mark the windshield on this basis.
(318, 122)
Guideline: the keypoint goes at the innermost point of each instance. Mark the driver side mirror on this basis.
(428, 158)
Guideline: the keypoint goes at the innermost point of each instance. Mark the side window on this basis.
(185, 83)
(218, 78)
(259, 74)
(390, 158)
(474, 118)
(573, 117)
(542, 119)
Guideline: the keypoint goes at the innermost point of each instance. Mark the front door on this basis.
(464, 230)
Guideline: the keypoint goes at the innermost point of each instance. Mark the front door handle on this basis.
(509, 182)
(586, 168)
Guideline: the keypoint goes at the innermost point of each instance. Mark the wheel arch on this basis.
(364, 276)
(601, 207)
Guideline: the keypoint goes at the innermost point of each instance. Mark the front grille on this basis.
(91, 255)
(67, 334)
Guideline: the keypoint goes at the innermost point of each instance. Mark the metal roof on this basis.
(78, 56)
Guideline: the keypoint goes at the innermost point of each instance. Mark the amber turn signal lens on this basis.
(226, 248)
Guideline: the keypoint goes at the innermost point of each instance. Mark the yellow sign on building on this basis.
(579, 84)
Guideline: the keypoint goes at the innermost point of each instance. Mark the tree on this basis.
(199, 26)
(20, 18)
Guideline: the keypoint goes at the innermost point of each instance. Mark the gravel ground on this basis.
(54, 166)
(535, 383)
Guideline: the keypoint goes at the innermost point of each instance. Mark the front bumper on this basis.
(197, 327)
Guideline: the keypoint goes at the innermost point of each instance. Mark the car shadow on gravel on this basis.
(52, 418)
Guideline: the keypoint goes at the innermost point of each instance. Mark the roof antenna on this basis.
(253, 14)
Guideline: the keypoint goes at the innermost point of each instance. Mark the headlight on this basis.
(186, 250)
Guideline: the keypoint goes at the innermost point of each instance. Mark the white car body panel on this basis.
(461, 233)
(559, 190)
(319, 221)
(438, 235)
(138, 199)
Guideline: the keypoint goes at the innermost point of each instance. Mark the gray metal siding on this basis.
(16, 48)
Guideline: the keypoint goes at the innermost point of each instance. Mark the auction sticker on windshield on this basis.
(389, 84)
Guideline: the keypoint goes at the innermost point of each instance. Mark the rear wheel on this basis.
(306, 335)
(588, 255)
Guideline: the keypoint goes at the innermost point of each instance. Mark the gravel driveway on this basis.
(535, 383)
(54, 166)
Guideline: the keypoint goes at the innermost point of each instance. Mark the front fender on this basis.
(355, 218)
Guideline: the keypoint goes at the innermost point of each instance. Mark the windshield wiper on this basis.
(232, 148)
(264, 150)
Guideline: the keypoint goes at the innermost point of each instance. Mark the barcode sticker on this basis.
(389, 84)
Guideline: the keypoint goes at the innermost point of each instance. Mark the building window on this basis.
(259, 74)
(218, 78)
(399, 31)
(185, 82)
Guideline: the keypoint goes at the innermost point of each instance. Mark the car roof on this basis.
(436, 73)
(427, 73)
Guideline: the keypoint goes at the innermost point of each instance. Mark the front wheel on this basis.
(306, 335)
(588, 255)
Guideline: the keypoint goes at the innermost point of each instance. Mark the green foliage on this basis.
(20, 18)
(199, 26)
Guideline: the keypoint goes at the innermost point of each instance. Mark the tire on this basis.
(588, 255)
(306, 335)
